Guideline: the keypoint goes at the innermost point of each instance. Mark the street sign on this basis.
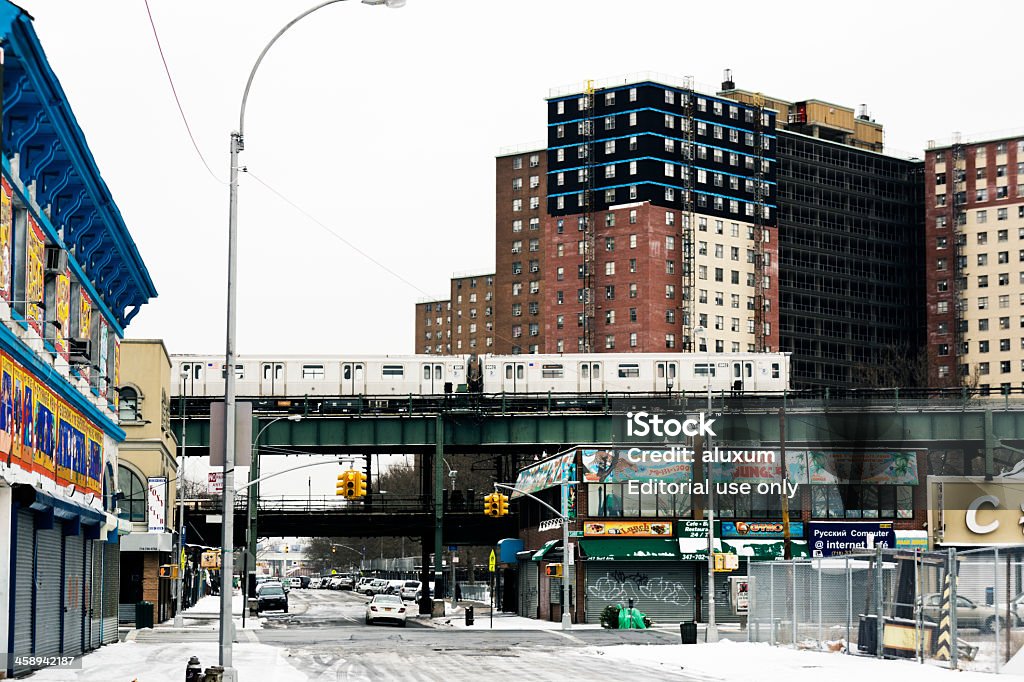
(215, 483)
(575, 533)
(490, 562)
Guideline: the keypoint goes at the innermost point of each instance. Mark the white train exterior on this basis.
(404, 375)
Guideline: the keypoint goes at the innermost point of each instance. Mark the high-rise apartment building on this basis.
(974, 245)
(655, 186)
(519, 257)
(463, 323)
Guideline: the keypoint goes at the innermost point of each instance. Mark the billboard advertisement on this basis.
(835, 538)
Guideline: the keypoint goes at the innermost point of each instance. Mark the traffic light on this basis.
(491, 504)
(334, 550)
(286, 549)
(360, 484)
(502, 504)
(342, 480)
(553, 570)
(351, 484)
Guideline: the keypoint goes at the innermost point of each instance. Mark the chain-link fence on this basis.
(896, 604)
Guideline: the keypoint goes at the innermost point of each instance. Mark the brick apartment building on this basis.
(463, 323)
(974, 243)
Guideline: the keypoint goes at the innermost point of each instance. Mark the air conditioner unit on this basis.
(56, 260)
(81, 351)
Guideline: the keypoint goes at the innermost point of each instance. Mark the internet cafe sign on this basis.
(968, 510)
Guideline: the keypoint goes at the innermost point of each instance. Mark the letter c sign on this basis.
(972, 515)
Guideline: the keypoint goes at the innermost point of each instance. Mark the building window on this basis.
(128, 405)
(133, 504)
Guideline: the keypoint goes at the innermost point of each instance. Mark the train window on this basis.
(426, 372)
(239, 372)
(750, 369)
(268, 370)
(703, 369)
(312, 371)
(661, 370)
(438, 374)
(197, 371)
(359, 372)
(508, 371)
(775, 370)
(393, 371)
(519, 371)
(597, 371)
(671, 370)
(737, 371)
(346, 372)
(629, 371)
(585, 371)
(552, 371)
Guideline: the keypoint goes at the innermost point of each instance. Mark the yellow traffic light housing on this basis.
(334, 550)
(502, 504)
(491, 504)
(553, 570)
(342, 480)
(360, 484)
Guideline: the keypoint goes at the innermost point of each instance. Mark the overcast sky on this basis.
(383, 124)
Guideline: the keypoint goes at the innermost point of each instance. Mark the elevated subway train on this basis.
(404, 375)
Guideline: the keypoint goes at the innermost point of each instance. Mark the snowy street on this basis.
(323, 637)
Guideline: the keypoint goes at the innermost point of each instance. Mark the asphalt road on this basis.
(327, 639)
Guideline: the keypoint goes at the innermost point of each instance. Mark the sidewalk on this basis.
(204, 616)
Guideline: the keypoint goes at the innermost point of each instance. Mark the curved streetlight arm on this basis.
(284, 471)
(259, 60)
(535, 499)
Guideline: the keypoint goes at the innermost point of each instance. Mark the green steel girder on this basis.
(509, 433)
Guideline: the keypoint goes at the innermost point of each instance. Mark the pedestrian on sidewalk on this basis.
(458, 593)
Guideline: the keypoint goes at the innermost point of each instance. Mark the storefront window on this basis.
(605, 500)
(862, 501)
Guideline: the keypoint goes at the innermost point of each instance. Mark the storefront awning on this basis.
(765, 549)
(548, 546)
(631, 549)
(147, 542)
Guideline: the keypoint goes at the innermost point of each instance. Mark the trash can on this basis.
(143, 614)
(469, 615)
(688, 632)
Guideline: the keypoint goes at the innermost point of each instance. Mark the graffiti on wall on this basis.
(619, 586)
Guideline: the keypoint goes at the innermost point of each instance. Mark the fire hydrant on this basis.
(193, 671)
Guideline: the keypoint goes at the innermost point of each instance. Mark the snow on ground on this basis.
(741, 661)
(137, 662)
(206, 612)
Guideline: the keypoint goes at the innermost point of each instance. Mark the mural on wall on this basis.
(616, 585)
(6, 230)
(546, 474)
(35, 252)
(880, 467)
(84, 326)
(63, 323)
(41, 432)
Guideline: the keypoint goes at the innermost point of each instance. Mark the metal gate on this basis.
(22, 585)
(94, 578)
(74, 593)
(111, 579)
(529, 592)
(49, 603)
(723, 607)
(661, 589)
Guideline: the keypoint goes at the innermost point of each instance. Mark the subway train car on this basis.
(426, 375)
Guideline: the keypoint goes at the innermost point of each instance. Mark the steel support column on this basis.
(437, 496)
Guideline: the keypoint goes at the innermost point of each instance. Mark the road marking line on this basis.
(567, 636)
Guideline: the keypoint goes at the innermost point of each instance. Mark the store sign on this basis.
(549, 524)
(889, 467)
(835, 539)
(629, 529)
(972, 511)
(156, 505)
(546, 474)
(692, 528)
(215, 483)
(619, 465)
(760, 529)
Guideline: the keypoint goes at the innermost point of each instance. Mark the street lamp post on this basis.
(178, 618)
(711, 633)
(227, 542)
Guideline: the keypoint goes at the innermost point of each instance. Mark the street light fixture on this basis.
(178, 617)
(711, 633)
(230, 409)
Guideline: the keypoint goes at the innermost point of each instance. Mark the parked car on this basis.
(304, 581)
(968, 614)
(272, 596)
(385, 607)
(376, 586)
(347, 582)
(394, 586)
(268, 583)
(419, 592)
(409, 589)
(362, 583)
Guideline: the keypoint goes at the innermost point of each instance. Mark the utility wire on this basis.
(174, 91)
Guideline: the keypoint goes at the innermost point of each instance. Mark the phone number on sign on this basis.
(47, 661)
